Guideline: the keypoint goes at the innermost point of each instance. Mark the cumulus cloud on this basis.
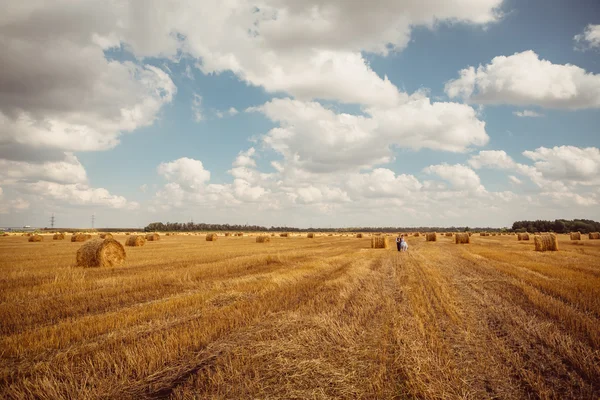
(525, 79)
(567, 163)
(78, 195)
(317, 139)
(527, 113)
(459, 176)
(515, 180)
(310, 49)
(187, 172)
(590, 38)
(68, 170)
(560, 169)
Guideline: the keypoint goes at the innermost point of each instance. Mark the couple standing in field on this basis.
(401, 243)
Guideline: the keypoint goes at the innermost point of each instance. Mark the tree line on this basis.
(191, 227)
(557, 226)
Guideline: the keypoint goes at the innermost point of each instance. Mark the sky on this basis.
(338, 113)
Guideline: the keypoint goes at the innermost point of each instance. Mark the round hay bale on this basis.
(35, 238)
(135, 241)
(239, 234)
(58, 236)
(101, 253)
(417, 234)
(227, 234)
(431, 237)
(263, 239)
(594, 235)
(379, 242)
(448, 234)
(285, 234)
(152, 237)
(80, 237)
(546, 242)
(106, 236)
(310, 235)
(462, 238)
(575, 236)
(522, 236)
(359, 235)
(211, 237)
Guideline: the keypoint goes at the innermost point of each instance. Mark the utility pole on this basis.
(52, 221)
(93, 220)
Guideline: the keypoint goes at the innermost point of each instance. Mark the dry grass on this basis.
(302, 319)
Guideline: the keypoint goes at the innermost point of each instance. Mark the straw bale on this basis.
(135, 241)
(546, 242)
(462, 238)
(379, 242)
(101, 253)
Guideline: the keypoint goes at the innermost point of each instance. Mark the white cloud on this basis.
(567, 163)
(144, 188)
(229, 113)
(382, 183)
(515, 180)
(14, 206)
(317, 139)
(492, 158)
(310, 49)
(186, 172)
(68, 170)
(590, 38)
(560, 169)
(523, 79)
(197, 108)
(460, 176)
(527, 113)
(78, 195)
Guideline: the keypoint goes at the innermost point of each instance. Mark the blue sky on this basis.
(328, 114)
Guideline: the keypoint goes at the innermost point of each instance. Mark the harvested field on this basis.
(309, 319)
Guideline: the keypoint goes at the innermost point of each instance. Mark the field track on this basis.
(301, 318)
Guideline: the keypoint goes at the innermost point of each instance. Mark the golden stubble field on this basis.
(301, 318)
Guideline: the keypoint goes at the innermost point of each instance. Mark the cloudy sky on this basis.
(299, 113)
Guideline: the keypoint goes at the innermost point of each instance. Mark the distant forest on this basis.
(558, 226)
